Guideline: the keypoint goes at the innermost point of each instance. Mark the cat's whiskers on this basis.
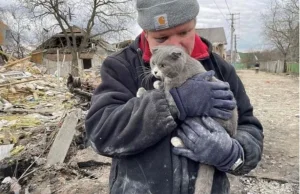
(146, 71)
(147, 79)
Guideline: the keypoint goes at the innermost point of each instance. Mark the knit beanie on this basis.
(156, 15)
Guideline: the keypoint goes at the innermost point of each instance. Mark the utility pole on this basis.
(235, 49)
(231, 43)
(235, 43)
(232, 18)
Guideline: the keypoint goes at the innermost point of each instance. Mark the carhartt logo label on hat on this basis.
(161, 21)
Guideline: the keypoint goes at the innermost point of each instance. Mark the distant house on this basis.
(236, 57)
(248, 59)
(4, 33)
(55, 51)
(217, 37)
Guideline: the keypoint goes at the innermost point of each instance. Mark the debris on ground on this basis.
(42, 135)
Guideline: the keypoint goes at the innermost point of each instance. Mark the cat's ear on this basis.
(175, 55)
(154, 50)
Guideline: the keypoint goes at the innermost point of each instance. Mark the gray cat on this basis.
(173, 66)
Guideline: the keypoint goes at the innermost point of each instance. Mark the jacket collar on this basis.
(200, 51)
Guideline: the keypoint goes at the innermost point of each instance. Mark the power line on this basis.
(227, 6)
(221, 12)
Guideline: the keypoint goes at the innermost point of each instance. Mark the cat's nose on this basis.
(155, 72)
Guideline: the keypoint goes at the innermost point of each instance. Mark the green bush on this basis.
(238, 66)
(293, 68)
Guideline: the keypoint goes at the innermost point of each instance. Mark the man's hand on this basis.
(200, 97)
(207, 142)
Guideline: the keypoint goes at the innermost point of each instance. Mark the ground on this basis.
(275, 99)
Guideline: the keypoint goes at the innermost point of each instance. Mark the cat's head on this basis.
(167, 61)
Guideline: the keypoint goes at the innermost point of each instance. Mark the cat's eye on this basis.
(162, 65)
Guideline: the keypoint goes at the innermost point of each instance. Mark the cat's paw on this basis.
(177, 142)
(140, 92)
(158, 85)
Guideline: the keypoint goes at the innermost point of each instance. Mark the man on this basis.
(256, 67)
(136, 132)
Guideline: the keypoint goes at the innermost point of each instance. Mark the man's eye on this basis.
(183, 33)
(161, 40)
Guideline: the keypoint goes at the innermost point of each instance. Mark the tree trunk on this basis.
(75, 65)
(284, 63)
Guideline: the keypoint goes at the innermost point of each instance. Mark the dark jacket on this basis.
(136, 132)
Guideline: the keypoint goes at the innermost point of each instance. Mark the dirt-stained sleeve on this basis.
(118, 123)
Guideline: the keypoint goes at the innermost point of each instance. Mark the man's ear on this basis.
(146, 34)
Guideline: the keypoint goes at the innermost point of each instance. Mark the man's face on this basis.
(182, 35)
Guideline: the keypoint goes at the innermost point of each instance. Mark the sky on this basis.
(248, 26)
(215, 13)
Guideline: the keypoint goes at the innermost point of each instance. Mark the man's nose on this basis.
(174, 40)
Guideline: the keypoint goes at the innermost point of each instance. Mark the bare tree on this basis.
(18, 21)
(269, 55)
(281, 26)
(110, 15)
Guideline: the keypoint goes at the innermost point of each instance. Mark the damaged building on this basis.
(56, 57)
(217, 38)
(4, 33)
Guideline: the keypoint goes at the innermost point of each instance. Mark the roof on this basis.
(98, 40)
(56, 40)
(214, 35)
(76, 30)
(59, 41)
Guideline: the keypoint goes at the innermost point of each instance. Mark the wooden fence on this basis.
(278, 67)
(272, 66)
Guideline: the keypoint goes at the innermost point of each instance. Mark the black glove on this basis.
(200, 97)
(208, 143)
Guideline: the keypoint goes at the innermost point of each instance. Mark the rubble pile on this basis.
(42, 136)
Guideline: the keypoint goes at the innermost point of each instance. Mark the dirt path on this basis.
(275, 99)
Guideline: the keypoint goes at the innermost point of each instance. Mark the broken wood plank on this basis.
(63, 139)
(28, 111)
(20, 60)
(15, 62)
(7, 55)
(38, 52)
(19, 82)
